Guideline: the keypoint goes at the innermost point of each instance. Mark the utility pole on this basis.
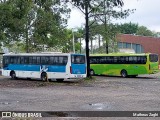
(73, 41)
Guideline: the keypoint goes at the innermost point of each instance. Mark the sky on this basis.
(147, 13)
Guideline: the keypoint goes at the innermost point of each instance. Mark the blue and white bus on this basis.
(44, 66)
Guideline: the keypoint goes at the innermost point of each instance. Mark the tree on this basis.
(35, 22)
(88, 7)
(106, 11)
(128, 28)
(144, 31)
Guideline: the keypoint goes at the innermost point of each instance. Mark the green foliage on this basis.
(132, 28)
(144, 31)
(128, 28)
(37, 22)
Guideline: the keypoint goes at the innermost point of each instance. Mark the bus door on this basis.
(153, 62)
(78, 65)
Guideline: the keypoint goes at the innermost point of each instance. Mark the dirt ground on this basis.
(103, 93)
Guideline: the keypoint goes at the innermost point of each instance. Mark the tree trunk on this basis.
(27, 41)
(80, 45)
(105, 28)
(91, 45)
(87, 37)
(99, 42)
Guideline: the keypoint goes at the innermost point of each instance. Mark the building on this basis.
(140, 44)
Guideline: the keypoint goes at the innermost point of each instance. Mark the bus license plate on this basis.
(79, 76)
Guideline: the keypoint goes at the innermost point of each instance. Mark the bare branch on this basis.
(77, 7)
(92, 23)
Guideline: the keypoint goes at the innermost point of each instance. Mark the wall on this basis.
(149, 44)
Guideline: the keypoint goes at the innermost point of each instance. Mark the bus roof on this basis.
(121, 54)
(41, 54)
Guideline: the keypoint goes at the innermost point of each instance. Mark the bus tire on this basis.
(13, 75)
(44, 77)
(124, 73)
(59, 80)
(92, 72)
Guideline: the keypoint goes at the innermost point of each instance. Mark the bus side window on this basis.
(126, 60)
(34, 60)
(55, 60)
(5, 61)
(30, 60)
(51, 60)
(115, 60)
(26, 59)
(13, 60)
(92, 60)
(143, 59)
(109, 59)
(61, 60)
(122, 60)
(18, 60)
(134, 60)
(45, 60)
(38, 61)
(102, 60)
(97, 60)
(139, 60)
(22, 59)
(65, 60)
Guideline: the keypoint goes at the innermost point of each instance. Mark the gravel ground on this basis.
(103, 93)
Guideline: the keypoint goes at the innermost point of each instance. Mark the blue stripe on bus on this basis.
(78, 68)
(55, 68)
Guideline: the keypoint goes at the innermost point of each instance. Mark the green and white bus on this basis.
(123, 64)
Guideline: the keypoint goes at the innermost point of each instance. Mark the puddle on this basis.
(97, 106)
(5, 103)
(8, 102)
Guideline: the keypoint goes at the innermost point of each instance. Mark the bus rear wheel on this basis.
(44, 77)
(13, 75)
(124, 73)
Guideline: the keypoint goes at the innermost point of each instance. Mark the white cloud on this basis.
(147, 14)
(77, 19)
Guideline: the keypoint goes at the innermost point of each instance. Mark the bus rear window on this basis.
(153, 58)
(78, 59)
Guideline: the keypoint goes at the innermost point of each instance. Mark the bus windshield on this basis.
(153, 58)
(78, 59)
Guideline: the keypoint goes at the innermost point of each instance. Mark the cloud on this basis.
(77, 19)
(147, 14)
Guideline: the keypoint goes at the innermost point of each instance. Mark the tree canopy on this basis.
(33, 22)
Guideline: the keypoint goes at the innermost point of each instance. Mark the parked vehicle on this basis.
(123, 64)
(44, 66)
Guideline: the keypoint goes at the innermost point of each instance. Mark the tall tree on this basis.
(107, 11)
(89, 7)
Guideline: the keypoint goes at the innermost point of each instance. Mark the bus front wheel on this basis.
(124, 73)
(92, 72)
(44, 77)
